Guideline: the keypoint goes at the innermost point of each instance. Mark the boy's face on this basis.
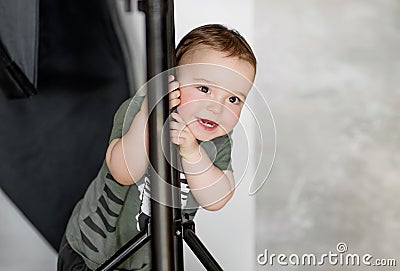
(213, 91)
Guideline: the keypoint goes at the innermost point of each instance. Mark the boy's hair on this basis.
(219, 38)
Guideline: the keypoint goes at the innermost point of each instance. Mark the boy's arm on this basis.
(127, 157)
(211, 186)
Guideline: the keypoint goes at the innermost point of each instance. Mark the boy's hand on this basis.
(174, 92)
(182, 136)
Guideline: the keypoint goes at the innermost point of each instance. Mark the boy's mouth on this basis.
(207, 124)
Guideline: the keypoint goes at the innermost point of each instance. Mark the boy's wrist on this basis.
(191, 154)
(191, 157)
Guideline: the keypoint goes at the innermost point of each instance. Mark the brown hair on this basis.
(217, 37)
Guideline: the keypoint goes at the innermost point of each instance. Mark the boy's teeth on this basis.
(206, 123)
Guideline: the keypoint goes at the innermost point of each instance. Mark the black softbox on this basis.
(63, 74)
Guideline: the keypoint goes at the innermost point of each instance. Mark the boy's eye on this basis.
(234, 100)
(204, 89)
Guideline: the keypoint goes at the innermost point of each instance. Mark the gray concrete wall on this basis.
(331, 72)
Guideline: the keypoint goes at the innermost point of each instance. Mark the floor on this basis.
(21, 246)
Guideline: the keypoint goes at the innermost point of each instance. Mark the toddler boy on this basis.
(215, 71)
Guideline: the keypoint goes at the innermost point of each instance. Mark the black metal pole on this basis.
(162, 221)
(177, 212)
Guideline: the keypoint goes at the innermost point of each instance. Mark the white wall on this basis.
(229, 234)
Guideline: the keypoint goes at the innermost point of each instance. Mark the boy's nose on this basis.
(214, 107)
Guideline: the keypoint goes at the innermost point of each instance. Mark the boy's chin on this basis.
(210, 137)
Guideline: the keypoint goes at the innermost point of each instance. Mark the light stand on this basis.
(166, 227)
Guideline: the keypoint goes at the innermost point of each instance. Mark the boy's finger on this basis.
(174, 94)
(173, 134)
(174, 103)
(177, 117)
(170, 78)
(173, 86)
(174, 140)
(173, 125)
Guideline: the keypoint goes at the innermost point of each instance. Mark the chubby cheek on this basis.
(188, 95)
(187, 105)
(230, 121)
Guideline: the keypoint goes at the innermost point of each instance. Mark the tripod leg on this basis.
(126, 251)
(198, 247)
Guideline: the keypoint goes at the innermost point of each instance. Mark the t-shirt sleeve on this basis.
(224, 151)
(124, 116)
(219, 150)
(119, 116)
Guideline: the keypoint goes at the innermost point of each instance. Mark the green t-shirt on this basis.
(110, 214)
